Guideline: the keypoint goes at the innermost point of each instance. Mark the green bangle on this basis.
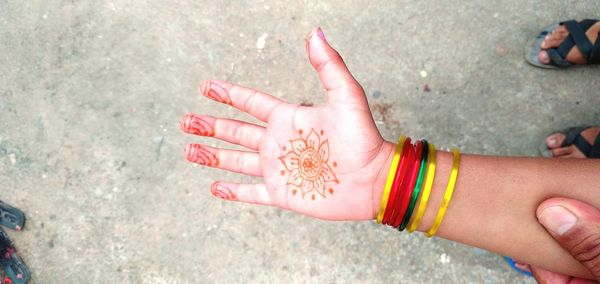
(417, 188)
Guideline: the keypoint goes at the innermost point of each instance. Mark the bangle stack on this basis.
(411, 175)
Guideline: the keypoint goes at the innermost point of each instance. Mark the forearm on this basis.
(495, 199)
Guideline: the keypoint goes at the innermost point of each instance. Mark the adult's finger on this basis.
(233, 131)
(256, 103)
(249, 193)
(232, 160)
(340, 85)
(575, 225)
(543, 276)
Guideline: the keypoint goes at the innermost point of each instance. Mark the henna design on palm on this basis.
(307, 165)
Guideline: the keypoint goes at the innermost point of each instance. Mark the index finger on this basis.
(255, 103)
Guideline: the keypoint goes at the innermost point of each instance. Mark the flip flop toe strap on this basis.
(595, 152)
(573, 137)
(577, 33)
(595, 55)
(557, 58)
(577, 36)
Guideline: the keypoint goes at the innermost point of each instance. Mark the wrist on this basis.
(386, 155)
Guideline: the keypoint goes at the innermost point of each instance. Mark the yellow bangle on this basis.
(390, 179)
(426, 190)
(447, 195)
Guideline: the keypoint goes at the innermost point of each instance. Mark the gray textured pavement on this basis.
(91, 93)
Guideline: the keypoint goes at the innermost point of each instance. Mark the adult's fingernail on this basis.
(321, 34)
(557, 219)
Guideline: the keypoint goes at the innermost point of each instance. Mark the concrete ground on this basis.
(91, 93)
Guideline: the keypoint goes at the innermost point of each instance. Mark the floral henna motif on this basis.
(198, 125)
(216, 92)
(307, 164)
(222, 192)
(201, 155)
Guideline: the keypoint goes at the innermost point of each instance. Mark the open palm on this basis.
(324, 161)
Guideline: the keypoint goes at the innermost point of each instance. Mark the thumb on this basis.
(576, 227)
(337, 80)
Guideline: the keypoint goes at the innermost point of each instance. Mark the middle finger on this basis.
(233, 131)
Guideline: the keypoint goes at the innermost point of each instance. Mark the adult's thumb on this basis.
(575, 225)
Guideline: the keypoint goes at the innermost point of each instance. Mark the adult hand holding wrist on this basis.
(575, 225)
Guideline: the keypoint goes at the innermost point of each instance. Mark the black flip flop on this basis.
(558, 56)
(573, 137)
(11, 262)
(11, 217)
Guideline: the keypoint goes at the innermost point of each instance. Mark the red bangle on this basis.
(400, 171)
(408, 185)
(401, 180)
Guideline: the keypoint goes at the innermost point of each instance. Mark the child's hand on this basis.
(325, 161)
